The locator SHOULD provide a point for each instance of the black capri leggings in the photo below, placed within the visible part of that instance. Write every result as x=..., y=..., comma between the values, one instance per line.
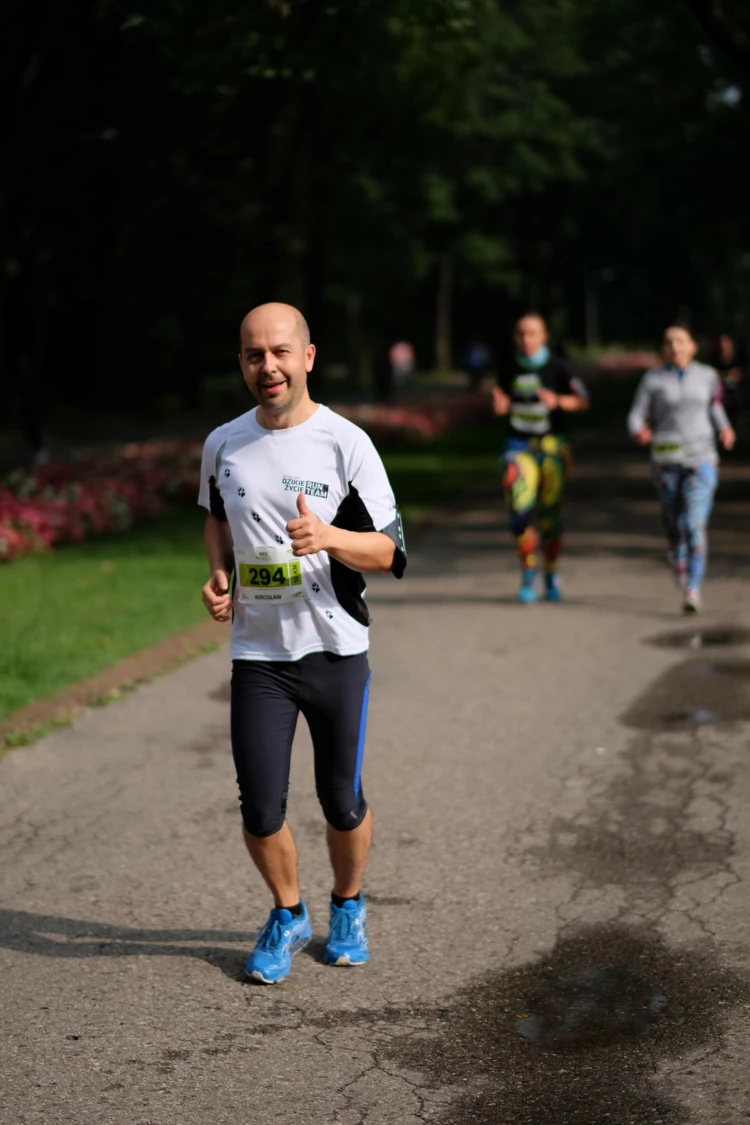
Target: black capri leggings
x=267, y=696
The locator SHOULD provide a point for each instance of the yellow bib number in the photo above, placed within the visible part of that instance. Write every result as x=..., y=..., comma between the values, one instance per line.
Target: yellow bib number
x=268, y=575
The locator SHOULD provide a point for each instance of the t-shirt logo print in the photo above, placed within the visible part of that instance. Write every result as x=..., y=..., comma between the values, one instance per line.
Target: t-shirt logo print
x=309, y=487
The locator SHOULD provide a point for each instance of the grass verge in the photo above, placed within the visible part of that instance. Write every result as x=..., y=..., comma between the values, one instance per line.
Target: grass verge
x=440, y=473
x=69, y=614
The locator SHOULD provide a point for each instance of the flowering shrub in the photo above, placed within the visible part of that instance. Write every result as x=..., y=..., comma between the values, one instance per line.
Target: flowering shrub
x=428, y=418
x=625, y=362
x=112, y=491
x=64, y=502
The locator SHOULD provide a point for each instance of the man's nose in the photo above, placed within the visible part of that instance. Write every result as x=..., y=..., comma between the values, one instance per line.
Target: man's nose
x=269, y=363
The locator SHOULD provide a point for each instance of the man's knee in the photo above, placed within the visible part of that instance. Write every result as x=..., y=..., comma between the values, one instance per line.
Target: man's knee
x=342, y=814
x=262, y=821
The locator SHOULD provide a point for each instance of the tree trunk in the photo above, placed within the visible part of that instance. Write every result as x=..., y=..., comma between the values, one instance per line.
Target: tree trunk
x=443, y=357
x=591, y=299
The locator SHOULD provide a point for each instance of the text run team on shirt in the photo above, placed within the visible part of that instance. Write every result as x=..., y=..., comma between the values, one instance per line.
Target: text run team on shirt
x=300, y=507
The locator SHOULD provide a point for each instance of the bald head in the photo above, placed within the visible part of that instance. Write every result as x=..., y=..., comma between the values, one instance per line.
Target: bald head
x=276, y=357
x=282, y=317
x=530, y=334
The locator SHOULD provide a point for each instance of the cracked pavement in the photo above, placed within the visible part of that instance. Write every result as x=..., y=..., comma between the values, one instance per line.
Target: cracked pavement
x=558, y=890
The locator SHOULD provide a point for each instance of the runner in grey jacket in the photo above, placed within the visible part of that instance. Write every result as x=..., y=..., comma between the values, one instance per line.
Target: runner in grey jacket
x=677, y=409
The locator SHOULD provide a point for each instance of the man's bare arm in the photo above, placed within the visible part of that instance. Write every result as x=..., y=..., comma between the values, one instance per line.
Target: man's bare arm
x=215, y=594
x=367, y=551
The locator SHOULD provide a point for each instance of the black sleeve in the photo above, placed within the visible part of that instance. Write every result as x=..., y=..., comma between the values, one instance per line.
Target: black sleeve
x=564, y=378
x=352, y=515
x=504, y=375
x=216, y=504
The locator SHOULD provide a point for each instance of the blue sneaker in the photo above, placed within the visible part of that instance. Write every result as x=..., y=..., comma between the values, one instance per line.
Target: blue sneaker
x=282, y=935
x=526, y=591
x=552, y=592
x=347, y=936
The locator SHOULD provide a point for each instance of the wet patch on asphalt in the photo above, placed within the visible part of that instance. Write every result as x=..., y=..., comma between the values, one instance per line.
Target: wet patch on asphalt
x=636, y=832
x=577, y=1036
x=596, y=1015
x=574, y=1038
x=709, y=636
x=694, y=693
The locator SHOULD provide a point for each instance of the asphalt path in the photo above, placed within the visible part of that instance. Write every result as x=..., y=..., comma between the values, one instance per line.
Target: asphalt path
x=558, y=890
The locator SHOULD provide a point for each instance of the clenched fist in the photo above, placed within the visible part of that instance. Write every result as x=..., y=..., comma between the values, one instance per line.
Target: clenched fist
x=216, y=596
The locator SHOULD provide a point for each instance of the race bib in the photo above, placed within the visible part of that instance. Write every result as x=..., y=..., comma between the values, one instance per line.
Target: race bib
x=666, y=448
x=268, y=575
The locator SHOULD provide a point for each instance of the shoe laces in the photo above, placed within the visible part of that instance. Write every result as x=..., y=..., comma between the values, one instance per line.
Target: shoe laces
x=272, y=934
x=345, y=923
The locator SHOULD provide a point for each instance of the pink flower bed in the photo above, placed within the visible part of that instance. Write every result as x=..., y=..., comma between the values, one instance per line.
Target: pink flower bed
x=426, y=419
x=625, y=362
x=65, y=502
x=112, y=491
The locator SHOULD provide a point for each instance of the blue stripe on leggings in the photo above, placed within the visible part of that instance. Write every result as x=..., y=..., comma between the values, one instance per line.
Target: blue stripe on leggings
x=361, y=739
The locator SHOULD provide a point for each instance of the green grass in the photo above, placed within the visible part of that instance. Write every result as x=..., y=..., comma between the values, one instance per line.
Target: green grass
x=439, y=473
x=71, y=613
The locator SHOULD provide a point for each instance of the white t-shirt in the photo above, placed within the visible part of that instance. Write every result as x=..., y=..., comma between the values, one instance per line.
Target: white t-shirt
x=252, y=477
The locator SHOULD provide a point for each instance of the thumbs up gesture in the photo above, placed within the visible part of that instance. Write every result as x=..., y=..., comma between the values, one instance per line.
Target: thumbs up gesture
x=308, y=533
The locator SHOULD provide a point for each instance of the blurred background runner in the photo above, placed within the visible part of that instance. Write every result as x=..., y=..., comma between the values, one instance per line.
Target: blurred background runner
x=677, y=410
x=536, y=390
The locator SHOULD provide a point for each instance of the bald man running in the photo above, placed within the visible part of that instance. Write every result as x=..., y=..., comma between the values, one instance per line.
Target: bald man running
x=299, y=507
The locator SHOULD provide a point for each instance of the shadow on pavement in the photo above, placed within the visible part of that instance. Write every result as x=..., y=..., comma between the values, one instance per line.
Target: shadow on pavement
x=622, y=605
x=48, y=935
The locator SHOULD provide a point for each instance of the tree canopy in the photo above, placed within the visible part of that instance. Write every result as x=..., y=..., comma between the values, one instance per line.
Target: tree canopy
x=165, y=168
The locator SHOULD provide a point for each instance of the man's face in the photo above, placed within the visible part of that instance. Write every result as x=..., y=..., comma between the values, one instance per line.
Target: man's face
x=678, y=347
x=726, y=349
x=274, y=359
x=529, y=335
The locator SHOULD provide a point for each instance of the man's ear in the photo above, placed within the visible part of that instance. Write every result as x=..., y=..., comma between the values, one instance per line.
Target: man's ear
x=309, y=357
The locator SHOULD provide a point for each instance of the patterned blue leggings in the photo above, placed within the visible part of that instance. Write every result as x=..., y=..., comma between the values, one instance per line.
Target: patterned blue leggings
x=686, y=497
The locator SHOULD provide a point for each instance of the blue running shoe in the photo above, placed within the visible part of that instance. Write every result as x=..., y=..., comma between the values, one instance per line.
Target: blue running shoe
x=347, y=936
x=552, y=592
x=282, y=935
x=526, y=591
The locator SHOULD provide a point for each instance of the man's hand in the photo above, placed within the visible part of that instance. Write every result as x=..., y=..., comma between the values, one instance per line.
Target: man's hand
x=644, y=435
x=500, y=401
x=216, y=596
x=549, y=398
x=308, y=534
x=727, y=437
